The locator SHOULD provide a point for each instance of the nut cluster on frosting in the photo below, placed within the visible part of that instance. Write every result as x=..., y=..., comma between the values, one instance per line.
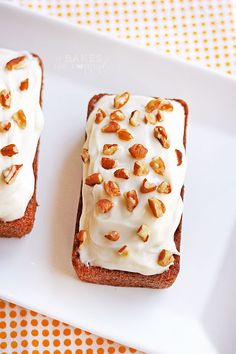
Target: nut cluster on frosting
x=9, y=174
x=141, y=167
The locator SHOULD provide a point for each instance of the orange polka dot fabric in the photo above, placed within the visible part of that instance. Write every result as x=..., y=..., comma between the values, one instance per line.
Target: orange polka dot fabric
x=203, y=31
x=27, y=332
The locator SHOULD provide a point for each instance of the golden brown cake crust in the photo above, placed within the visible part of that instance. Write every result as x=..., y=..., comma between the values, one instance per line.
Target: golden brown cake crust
x=104, y=276
x=21, y=227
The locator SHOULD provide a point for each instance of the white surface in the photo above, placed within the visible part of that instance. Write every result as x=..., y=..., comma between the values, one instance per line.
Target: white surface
x=196, y=315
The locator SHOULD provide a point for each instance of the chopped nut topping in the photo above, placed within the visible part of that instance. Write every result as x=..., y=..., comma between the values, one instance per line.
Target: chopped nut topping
x=157, y=164
x=140, y=168
x=81, y=237
x=159, y=116
x=5, y=125
x=123, y=251
x=164, y=188
x=159, y=103
x=85, y=155
x=111, y=127
x=5, y=98
x=24, y=85
x=150, y=118
x=157, y=207
x=9, y=150
x=165, y=258
x=100, y=115
x=108, y=163
x=131, y=199
x=104, y=205
x=179, y=157
x=135, y=118
x=121, y=173
x=112, y=189
x=143, y=232
x=9, y=174
x=160, y=134
x=20, y=119
x=113, y=236
x=117, y=115
x=95, y=178
x=109, y=149
x=16, y=63
x=147, y=187
x=138, y=151
x=123, y=134
x=121, y=100
x=152, y=105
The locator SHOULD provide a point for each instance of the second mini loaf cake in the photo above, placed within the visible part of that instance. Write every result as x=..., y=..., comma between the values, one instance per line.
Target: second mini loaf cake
x=129, y=219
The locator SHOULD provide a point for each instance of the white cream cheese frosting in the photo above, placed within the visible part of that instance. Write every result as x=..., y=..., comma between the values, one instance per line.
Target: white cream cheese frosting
x=14, y=197
x=142, y=256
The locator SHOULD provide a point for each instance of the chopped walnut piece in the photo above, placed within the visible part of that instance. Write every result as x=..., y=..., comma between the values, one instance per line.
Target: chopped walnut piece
x=85, y=155
x=123, y=251
x=112, y=189
x=157, y=164
x=160, y=134
x=100, y=115
x=24, y=85
x=111, y=127
x=179, y=156
x=104, y=205
x=138, y=151
x=81, y=237
x=109, y=149
x=147, y=187
x=157, y=207
x=16, y=63
x=123, y=134
x=150, y=118
x=117, y=115
x=143, y=232
x=121, y=173
x=95, y=178
x=165, y=258
x=9, y=174
x=121, y=100
x=135, y=118
x=5, y=125
x=113, y=236
x=108, y=163
x=164, y=188
x=131, y=199
x=9, y=150
x=140, y=168
x=20, y=119
x=5, y=98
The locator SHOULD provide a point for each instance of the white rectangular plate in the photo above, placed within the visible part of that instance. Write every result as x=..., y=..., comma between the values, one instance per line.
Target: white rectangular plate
x=196, y=315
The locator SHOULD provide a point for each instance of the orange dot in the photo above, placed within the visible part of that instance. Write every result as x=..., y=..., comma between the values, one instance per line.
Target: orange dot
x=23, y=323
x=56, y=342
x=55, y=323
x=67, y=331
x=122, y=349
x=33, y=313
x=88, y=333
x=24, y=333
x=89, y=341
x=45, y=322
x=13, y=334
x=23, y=312
x=45, y=343
x=78, y=341
x=2, y=314
x=56, y=332
x=35, y=351
x=132, y=350
x=3, y=345
x=12, y=305
x=67, y=351
x=77, y=331
x=35, y=342
x=46, y=352
x=100, y=340
x=34, y=332
x=110, y=341
x=111, y=350
x=2, y=304
x=2, y=324
x=3, y=335
x=78, y=351
x=34, y=322
x=100, y=351
x=57, y=352
x=24, y=344
x=67, y=342
x=45, y=332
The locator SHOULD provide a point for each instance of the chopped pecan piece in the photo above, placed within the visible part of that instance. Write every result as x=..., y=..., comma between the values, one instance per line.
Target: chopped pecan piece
x=138, y=151
x=135, y=118
x=104, y=205
x=179, y=156
x=157, y=164
x=108, y=163
x=121, y=100
x=164, y=188
x=111, y=127
x=123, y=251
x=131, y=199
x=160, y=134
x=123, y=134
x=113, y=236
x=20, y=119
x=81, y=237
x=165, y=258
x=95, y=178
x=85, y=155
x=143, y=232
x=147, y=187
x=121, y=173
x=9, y=150
x=112, y=189
x=117, y=115
x=5, y=99
x=157, y=207
x=24, y=85
x=9, y=174
x=5, y=125
x=100, y=115
x=16, y=63
x=140, y=168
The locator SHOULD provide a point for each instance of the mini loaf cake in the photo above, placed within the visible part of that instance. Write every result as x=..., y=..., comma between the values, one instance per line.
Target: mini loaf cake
x=130, y=213
x=21, y=122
